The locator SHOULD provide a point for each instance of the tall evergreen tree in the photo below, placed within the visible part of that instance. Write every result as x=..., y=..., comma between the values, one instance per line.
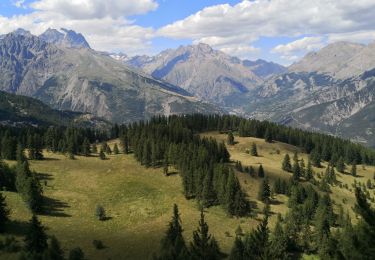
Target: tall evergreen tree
x=254, y=150
x=340, y=166
x=264, y=192
x=279, y=243
x=261, y=172
x=238, y=249
x=54, y=251
x=353, y=171
x=102, y=155
x=257, y=242
x=36, y=238
x=115, y=149
x=309, y=171
x=268, y=136
x=230, y=138
x=204, y=246
x=4, y=212
x=86, y=148
x=287, y=166
x=173, y=245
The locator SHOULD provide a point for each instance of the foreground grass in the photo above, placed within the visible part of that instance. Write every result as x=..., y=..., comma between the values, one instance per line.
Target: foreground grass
x=139, y=201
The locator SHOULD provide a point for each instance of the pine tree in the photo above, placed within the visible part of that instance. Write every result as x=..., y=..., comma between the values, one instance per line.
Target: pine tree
x=309, y=171
x=268, y=136
x=230, y=139
x=340, y=166
x=254, y=150
x=296, y=170
x=237, y=251
x=238, y=231
x=94, y=148
x=286, y=166
x=204, y=246
x=20, y=154
x=125, y=143
x=36, y=238
x=54, y=251
x=86, y=149
x=4, y=212
x=208, y=193
x=264, y=191
x=102, y=155
x=257, y=242
x=100, y=213
x=173, y=244
x=115, y=149
x=353, y=171
x=302, y=167
x=279, y=243
x=261, y=172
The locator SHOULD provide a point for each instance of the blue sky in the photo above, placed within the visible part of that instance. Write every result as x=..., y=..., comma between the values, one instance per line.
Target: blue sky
x=278, y=30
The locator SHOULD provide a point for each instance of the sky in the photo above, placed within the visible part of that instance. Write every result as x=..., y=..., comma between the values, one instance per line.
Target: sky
x=282, y=31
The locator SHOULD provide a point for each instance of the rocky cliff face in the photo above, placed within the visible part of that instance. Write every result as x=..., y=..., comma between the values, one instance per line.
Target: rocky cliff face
x=81, y=79
x=65, y=38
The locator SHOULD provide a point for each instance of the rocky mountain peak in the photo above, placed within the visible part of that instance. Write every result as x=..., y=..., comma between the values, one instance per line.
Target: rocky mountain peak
x=65, y=37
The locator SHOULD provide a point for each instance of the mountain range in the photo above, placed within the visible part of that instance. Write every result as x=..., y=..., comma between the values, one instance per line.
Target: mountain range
x=330, y=90
x=66, y=74
x=209, y=74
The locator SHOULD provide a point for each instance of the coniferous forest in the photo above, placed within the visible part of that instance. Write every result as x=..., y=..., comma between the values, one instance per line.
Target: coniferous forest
x=312, y=224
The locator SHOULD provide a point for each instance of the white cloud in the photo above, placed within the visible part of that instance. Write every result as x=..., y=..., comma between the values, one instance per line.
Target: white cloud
x=105, y=31
x=305, y=44
x=360, y=36
x=247, y=21
x=86, y=9
x=242, y=51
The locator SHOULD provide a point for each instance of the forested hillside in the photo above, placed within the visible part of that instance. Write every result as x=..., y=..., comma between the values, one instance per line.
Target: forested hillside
x=255, y=190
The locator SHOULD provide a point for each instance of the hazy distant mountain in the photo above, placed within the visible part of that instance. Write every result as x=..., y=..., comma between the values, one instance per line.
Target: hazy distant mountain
x=340, y=60
x=263, y=68
x=331, y=90
x=206, y=73
x=66, y=38
x=81, y=79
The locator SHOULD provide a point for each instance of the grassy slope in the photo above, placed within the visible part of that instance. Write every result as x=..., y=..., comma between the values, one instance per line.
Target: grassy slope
x=139, y=201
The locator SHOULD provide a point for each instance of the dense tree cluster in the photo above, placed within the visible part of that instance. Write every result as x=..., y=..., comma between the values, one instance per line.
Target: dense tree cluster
x=202, y=162
x=69, y=140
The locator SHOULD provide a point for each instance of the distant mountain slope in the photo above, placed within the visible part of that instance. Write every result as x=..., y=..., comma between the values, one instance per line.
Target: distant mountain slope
x=83, y=80
x=263, y=68
x=16, y=109
x=206, y=73
x=332, y=91
x=340, y=60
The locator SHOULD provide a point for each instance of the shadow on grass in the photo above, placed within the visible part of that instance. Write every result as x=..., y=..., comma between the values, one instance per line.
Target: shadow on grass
x=50, y=159
x=171, y=173
x=16, y=228
x=276, y=202
x=45, y=177
x=54, y=208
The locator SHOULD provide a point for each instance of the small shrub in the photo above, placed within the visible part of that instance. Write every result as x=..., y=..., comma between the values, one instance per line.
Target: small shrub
x=98, y=244
x=100, y=213
x=227, y=234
